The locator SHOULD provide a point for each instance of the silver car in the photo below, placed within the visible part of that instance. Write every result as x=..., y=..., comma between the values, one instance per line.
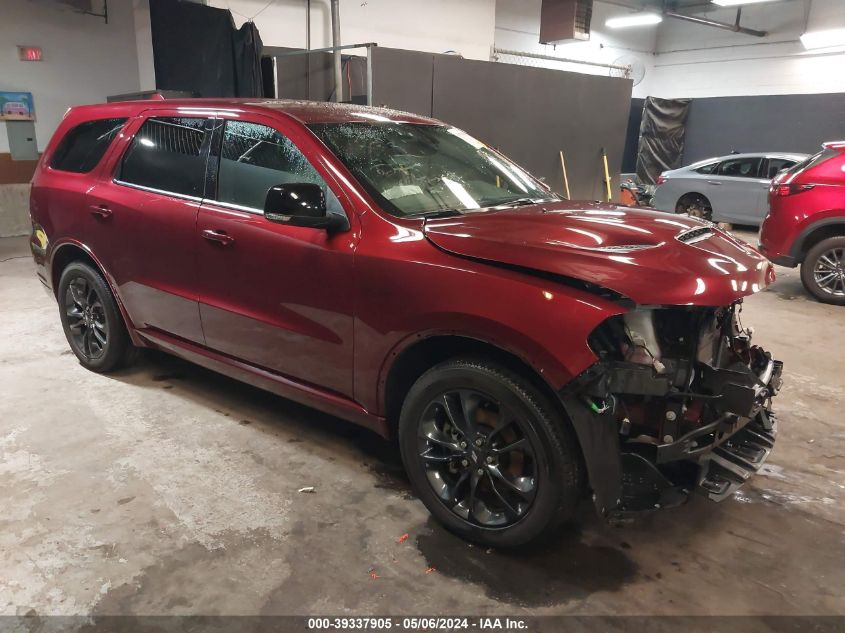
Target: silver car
x=730, y=188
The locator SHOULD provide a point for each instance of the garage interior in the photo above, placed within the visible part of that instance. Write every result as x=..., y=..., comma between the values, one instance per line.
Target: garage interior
x=167, y=489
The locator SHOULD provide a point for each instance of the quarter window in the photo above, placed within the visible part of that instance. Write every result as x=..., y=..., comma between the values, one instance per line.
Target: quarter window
x=83, y=146
x=776, y=165
x=254, y=158
x=168, y=154
x=740, y=167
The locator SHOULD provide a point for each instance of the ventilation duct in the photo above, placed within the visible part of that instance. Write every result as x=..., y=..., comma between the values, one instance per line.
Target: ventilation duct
x=565, y=20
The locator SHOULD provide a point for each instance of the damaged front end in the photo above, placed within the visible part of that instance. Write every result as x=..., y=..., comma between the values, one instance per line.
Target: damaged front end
x=679, y=401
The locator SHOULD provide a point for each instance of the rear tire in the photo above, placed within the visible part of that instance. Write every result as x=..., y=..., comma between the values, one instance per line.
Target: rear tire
x=823, y=271
x=695, y=205
x=91, y=320
x=488, y=454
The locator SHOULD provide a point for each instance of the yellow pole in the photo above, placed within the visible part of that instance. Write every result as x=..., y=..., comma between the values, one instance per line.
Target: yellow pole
x=606, y=175
x=565, y=177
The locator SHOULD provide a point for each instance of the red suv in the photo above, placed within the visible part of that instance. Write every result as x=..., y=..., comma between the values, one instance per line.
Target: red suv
x=806, y=222
x=525, y=351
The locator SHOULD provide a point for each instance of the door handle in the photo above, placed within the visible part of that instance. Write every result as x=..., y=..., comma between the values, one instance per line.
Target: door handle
x=713, y=182
x=100, y=210
x=221, y=237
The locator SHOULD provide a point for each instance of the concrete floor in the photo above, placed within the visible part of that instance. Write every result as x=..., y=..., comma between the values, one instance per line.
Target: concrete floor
x=169, y=489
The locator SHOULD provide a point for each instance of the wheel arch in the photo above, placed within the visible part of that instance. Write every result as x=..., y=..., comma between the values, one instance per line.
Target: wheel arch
x=68, y=252
x=815, y=233
x=415, y=359
x=691, y=194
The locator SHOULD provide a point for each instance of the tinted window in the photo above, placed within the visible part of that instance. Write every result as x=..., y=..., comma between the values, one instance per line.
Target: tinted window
x=776, y=165
x=707, y=169
x=740, y=167
x=83, y=146
x=254, y=158
x=168, y=154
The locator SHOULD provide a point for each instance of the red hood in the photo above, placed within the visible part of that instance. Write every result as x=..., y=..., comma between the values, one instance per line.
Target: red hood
x=708, y=267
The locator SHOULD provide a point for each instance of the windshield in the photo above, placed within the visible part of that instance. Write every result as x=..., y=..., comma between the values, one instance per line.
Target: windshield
x=413, y=169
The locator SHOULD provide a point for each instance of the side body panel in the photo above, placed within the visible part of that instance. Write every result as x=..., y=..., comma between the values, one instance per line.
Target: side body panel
x=277, y=296
x=147, y=243
x=408, y=290
x=737, y=200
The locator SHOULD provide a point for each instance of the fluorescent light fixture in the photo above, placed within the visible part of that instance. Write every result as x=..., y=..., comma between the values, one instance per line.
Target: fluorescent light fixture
x=635, y=19
x=736, y=3
x=823, y=39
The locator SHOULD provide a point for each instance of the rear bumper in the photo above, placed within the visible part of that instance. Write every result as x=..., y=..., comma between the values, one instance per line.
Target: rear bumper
x=781, y=260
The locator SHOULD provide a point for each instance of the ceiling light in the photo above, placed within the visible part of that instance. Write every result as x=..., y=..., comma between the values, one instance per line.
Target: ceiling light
x=736, y=3
x=823, y=39
x=636, y=19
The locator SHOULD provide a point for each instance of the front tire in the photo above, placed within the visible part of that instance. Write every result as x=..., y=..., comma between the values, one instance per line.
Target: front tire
x=91, y=320
x=488, y=454
x=823, y=271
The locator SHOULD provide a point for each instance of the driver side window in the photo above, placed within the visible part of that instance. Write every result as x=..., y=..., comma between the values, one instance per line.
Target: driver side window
x=254, y=158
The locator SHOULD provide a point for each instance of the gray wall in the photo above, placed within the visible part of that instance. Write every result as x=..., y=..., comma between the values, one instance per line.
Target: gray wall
x=530, y=114
x=773, y=123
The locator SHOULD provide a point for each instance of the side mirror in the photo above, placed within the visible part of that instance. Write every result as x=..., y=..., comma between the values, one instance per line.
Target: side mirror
x=301, y=204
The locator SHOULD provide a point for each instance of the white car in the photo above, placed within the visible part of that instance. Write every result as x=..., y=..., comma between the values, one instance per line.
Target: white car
x=730, y=188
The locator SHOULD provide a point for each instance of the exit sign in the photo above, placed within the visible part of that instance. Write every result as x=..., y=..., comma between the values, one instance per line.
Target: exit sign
x=29, y=53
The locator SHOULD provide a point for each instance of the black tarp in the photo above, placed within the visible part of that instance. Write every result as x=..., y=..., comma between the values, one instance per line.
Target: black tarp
x=632, y=137
x=661, y=137
x=197, y=49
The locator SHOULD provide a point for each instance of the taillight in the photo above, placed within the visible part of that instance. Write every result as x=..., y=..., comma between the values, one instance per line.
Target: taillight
x=789, y=190
x=661, y=179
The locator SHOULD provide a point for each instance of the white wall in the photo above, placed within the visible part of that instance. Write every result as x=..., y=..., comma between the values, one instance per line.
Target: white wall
x=434, y=26
x=85, y=60
x=697, y=61
x=518, y=28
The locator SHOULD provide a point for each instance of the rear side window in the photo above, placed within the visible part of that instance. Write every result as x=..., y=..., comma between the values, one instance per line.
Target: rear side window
x=740, y=167
x=708, y=168
x=168, y=154
x=83, y=146
x=776, y=165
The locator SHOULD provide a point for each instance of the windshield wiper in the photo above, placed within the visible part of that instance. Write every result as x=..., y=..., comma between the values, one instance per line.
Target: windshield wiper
x=444, y=213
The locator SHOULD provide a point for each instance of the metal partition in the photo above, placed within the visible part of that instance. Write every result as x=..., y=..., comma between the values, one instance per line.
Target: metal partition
x=309, y=73
x=530, y=114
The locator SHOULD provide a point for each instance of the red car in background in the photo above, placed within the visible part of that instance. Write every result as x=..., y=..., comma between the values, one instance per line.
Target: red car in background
x=526, y=351
x=806, y=222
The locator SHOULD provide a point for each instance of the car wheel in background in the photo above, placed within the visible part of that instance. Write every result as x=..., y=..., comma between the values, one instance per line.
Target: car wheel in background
x=488, y=454
x=91, y=319
x=695, y=205
x=823, y=271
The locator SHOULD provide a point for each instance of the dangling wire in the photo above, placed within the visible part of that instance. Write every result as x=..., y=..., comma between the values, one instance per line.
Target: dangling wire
x=250, y=18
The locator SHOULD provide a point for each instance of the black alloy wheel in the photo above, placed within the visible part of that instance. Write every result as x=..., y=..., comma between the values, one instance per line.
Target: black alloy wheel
x=488, y=453
x=91, y=319
x=478, y=457
x=86, y=318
